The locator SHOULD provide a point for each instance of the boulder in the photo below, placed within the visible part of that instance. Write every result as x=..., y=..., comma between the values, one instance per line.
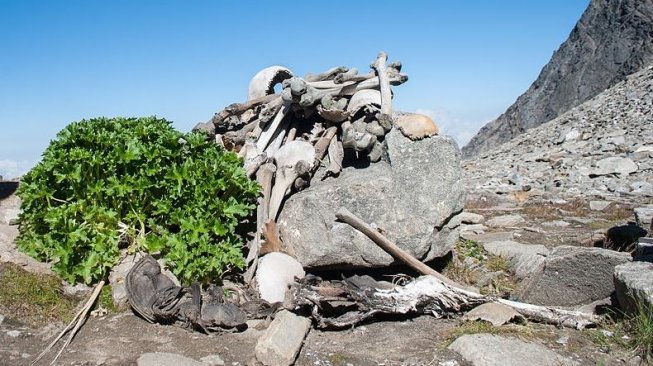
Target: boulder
x=614, y=165
x=493, y=350
x=633, y=284
x=573, y=276
x=283, y=339
x=643, y=216
x=413, y=199
x=524, y=258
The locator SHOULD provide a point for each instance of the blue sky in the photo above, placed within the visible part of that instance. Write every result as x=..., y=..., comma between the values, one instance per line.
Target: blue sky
x=62, y=61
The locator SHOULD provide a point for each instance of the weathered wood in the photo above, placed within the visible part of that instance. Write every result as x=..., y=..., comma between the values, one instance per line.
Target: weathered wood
x=347, y=217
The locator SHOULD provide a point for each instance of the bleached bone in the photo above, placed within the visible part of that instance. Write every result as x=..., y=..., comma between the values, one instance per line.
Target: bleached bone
x=292, y=159
x=369, y=99
x=357, y=141
x=336, y=156
x=270, y=109
x=264, y=81
x=239, y=108
x=264, y=177
x=271, y=128
x=329, y=74
x=278, y=138
x=333, y=110
x=322, y=145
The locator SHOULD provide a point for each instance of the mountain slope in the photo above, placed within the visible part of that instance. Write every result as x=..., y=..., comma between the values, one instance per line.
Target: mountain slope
x=604, y=147
x=612, y=39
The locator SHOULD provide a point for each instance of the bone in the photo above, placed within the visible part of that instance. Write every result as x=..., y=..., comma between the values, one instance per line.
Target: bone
x=336, y=156
x=292, y=159
x=278, y=138
x=322, y=145
x=240, y=108
x=269, y=132
x=270, y=109
x=329, y=74
x=264, y=177
x=384, y=83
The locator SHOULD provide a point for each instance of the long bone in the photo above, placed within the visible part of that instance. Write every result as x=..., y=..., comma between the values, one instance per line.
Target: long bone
x=292, y=160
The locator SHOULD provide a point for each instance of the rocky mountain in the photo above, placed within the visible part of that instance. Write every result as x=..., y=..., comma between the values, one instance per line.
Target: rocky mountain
x=601, y=148
x=612, y=39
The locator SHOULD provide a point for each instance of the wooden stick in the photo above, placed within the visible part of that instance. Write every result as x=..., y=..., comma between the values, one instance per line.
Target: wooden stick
x=347, y=217
x=79, y=318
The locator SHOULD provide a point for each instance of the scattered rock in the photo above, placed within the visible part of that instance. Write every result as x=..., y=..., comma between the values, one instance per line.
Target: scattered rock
x=614, y=165
x=274, y=274
x=2, y=319
x=643, y=216
x=556, y=223
x=471, y=218
x=495, y=313
x=493, y=350
x=14, y=333
x=599, y=205
x=166, y=359
x=385, y=195
x=212, y=360
x=633, y=284
x=573, y=276
x=505, y=220
x=281, y=342
x=524, y=258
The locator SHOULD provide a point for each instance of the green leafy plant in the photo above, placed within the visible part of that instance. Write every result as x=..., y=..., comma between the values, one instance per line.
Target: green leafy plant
x=103, y=184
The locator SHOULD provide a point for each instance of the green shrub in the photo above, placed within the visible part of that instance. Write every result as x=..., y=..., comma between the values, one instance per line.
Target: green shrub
x=103, y=184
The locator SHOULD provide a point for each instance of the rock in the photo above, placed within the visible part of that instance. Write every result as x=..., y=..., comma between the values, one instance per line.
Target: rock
x=642, y=188
x=599, y=205
x=416, y=126
x=572, y=135
x=471, y=218
x=524, y=258
x=613, y=165
x=573, y=276
x=166, y=359
x=212, y=360
x=14, y=333
x=413, y=200
x=556, y=223
x=2, y=319
x=10, y=216
x=616, y=34
x=505, y=220
x=283, y=339
x=495, y=313
x=644, y=216
x=274, y=274
x=633, y=284
x=492, y=350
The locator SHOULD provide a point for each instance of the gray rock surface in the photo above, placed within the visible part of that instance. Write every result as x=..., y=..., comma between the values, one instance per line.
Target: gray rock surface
x=281, y=342
x=644, y=216
x=612, y=39
x=471, y=218
x=573, y=276
x=505, y=220
x=523, y=258
x=166, y=359
x=633, y=284
x=493, y=350
x=602, y=165
x=413, y=199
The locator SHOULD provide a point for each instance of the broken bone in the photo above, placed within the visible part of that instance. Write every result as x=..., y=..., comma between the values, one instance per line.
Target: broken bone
x=263, y=82
x=293, y=159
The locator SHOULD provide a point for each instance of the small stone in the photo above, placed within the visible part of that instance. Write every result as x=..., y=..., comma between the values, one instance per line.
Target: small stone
x=166, y=359
x=283, y=339
x=563, y=340
x=495, y=313
x=2, y=319
x=14, y=333
x=599, y=205
x=212, y=360
x=448, y=363
x=471, y=218
x=572, y=135
x=505, y=220
x=556, y=223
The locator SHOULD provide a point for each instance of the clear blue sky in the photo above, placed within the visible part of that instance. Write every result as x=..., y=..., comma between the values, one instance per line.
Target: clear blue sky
x=62, y=61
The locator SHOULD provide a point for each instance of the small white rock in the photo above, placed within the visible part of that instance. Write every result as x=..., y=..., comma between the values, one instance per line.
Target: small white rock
x=13, y=333
x=275, y=272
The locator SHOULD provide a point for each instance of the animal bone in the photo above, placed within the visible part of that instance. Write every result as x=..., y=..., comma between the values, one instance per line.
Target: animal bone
x=322, y=145
x=375, y=152
x=358, y=141
x=264, y=81
x=329, y=74
x=269, y=132
x=364, y=100
x=336, y=156
x=292, y=159
x=276, y=142
x=264, y=178
x=240, y=108
x=270, y=109
x=384, y=83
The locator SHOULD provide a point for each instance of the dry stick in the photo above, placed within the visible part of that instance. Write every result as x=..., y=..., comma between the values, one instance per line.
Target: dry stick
x=79, y=318
x=344, y=215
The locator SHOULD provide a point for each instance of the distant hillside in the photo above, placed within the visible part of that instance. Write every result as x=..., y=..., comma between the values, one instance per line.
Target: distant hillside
x=604, y=147
x=612, y=39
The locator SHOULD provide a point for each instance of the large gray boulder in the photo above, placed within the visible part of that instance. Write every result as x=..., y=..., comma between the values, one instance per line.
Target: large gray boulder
x=633, y=284
x=413, y=199
x=573, y=276
x=493, y=350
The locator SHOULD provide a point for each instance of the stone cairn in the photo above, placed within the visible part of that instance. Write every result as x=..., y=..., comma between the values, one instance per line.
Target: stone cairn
x=316, y=121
